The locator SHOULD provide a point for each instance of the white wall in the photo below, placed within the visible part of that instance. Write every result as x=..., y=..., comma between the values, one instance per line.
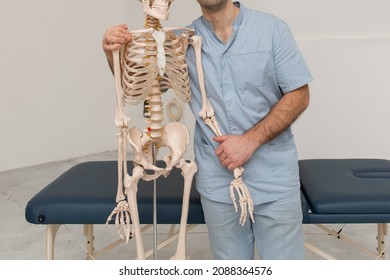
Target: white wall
x=57, y=95
x=347, y=46
x=55, y=87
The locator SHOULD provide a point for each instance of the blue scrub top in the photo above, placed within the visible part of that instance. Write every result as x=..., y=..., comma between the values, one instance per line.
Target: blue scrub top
x=244, y=79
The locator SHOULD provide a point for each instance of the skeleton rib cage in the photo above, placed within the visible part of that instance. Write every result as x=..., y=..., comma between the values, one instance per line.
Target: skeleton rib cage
x=140, y=66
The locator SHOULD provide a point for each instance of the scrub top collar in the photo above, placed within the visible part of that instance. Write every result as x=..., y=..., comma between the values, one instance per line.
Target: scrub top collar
x=236, y=22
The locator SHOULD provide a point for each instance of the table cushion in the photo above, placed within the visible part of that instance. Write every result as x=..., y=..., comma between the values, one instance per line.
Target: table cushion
x=85, y=194
x=346, y=186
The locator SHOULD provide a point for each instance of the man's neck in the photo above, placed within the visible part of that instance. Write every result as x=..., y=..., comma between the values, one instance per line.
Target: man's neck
x=222, y=19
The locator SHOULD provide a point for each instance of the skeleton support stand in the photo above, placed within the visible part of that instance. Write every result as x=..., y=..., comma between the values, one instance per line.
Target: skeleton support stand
x=154, y=206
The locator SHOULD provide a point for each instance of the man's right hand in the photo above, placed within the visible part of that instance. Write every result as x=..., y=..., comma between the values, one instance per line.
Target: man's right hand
x=115, y=37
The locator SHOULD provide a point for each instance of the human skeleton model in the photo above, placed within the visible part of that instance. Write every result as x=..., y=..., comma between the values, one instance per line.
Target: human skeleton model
x=153, y=62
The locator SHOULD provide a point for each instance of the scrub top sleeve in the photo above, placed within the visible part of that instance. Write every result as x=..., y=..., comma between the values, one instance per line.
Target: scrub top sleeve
x=291, y=69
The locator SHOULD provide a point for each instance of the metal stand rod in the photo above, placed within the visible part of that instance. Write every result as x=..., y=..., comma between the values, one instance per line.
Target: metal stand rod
x=154, y=206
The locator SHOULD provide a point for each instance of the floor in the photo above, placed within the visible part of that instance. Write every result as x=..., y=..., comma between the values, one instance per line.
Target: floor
x=20, y=240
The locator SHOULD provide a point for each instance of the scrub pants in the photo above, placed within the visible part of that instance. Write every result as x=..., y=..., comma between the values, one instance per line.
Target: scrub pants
x=277, y=232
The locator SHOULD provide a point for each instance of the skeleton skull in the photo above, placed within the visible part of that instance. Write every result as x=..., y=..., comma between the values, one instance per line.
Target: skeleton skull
x=157, y=8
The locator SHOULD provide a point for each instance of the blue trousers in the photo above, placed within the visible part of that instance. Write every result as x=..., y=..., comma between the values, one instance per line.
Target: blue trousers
x=277, y=233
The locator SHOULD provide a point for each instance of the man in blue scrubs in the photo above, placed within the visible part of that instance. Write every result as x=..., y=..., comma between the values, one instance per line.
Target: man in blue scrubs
x=257, y=82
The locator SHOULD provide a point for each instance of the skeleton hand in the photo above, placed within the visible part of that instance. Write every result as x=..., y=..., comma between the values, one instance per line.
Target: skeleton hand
x=122, y=220
x=245, y=199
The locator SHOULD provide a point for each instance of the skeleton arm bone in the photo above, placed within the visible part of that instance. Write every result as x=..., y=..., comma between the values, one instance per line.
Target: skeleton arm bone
x=121, y=120
x=208, y=116
x=207, y=111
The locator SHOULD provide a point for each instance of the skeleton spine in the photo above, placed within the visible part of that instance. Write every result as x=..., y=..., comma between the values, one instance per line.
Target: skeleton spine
x=155, y=109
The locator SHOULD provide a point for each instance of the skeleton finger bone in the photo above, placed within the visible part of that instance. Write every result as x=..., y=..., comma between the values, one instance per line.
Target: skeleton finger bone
x=245, y=200
x=122, y=220
x=235, y=188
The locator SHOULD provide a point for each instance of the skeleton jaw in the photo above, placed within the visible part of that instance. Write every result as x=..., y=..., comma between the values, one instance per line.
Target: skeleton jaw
x=157, y=8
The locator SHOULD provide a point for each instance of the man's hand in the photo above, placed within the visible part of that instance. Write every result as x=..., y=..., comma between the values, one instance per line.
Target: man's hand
x=115, y=37
x=234, y=150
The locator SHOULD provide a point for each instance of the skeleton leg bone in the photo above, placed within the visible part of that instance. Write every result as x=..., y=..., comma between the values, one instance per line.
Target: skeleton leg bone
x=188, y=171
x=131, y=185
